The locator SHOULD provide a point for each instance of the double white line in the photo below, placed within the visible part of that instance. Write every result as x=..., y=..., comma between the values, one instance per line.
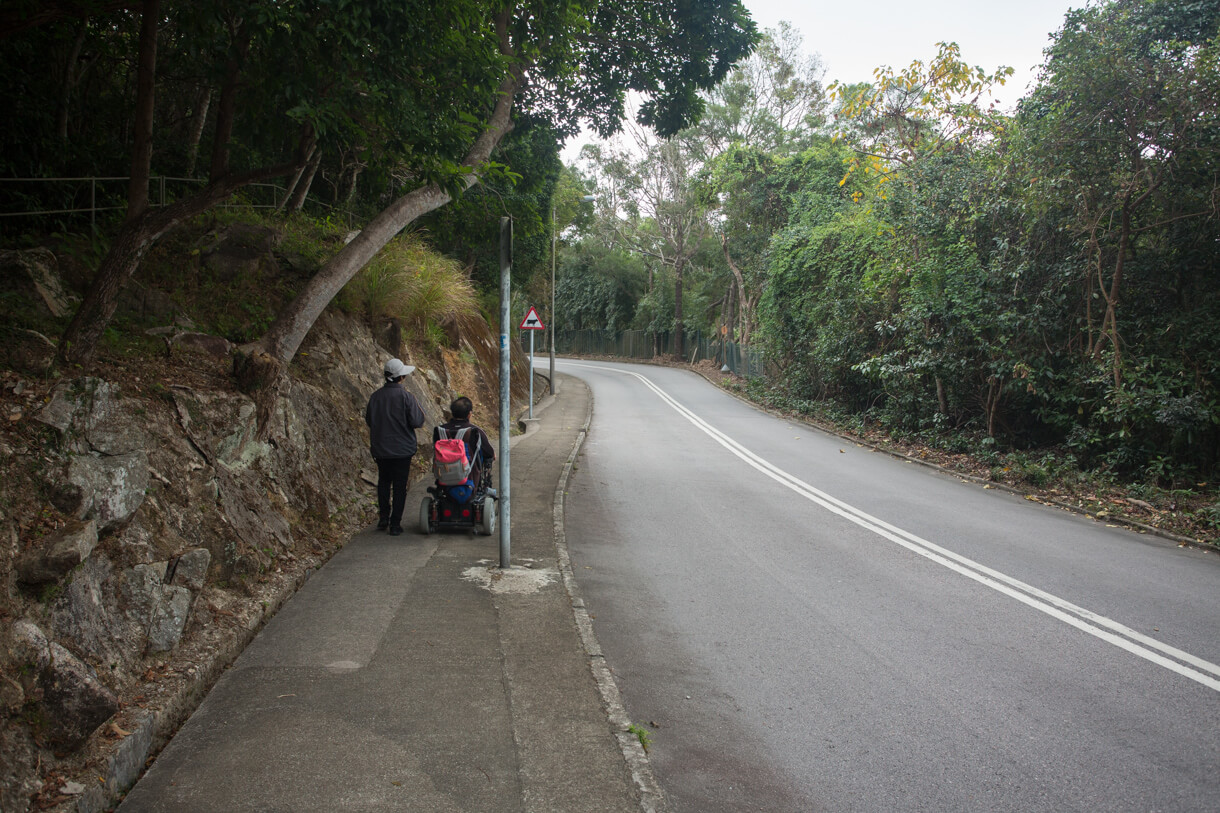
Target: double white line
x=1150, y=649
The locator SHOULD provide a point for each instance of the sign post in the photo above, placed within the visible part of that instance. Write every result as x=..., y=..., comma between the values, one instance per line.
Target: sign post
x=532, y=323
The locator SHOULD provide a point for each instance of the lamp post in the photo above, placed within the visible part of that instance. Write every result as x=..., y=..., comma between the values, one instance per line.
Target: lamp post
x=554, y=238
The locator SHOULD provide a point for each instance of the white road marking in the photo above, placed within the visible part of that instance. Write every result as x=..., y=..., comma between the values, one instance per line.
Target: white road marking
x=1099, y=626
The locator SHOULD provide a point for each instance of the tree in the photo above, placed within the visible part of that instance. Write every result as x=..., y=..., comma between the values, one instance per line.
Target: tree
x=287, y=74
x=650, y=198
x=565, y=62
x=1128, y=102
x=773, y=102
x=771, y=106
x=918, y=112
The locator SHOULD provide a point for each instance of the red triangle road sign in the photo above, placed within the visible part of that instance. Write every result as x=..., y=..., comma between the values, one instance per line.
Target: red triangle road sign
x=531, y=321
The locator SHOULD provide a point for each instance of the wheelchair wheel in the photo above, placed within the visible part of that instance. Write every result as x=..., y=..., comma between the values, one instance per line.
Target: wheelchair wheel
x=488, y=525
x=425, y=516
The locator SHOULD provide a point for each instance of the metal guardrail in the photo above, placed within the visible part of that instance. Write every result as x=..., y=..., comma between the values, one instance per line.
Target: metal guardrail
x=644, y=344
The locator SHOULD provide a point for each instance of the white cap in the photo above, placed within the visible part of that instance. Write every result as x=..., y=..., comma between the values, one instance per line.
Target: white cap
x=396, y=369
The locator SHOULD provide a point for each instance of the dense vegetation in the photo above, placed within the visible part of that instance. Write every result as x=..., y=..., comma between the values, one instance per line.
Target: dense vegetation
x=418, y=95
x=1041, y=281
x=1047, y=279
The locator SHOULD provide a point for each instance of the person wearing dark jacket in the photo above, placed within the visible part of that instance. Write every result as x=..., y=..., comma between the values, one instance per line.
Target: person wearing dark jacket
x=460, y=409
x=393, y=415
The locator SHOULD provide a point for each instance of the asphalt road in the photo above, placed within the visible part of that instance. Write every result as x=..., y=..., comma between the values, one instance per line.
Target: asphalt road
x=808, y=625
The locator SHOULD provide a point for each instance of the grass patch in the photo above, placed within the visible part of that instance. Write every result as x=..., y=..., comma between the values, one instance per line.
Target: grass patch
x=408, y=281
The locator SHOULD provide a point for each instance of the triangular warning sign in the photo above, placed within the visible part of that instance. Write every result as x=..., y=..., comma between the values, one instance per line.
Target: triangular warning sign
x=531, y=321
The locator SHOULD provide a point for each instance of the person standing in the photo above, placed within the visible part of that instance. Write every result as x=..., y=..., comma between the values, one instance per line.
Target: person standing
x=392, y=416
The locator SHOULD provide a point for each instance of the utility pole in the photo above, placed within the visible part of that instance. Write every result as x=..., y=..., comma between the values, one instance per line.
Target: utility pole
x=506, y=271
x=552, y=327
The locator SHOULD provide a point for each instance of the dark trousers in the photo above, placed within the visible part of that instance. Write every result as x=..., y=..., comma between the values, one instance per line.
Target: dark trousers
x=392, y=473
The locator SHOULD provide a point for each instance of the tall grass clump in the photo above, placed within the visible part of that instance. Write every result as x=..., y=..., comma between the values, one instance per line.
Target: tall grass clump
x=422, y=289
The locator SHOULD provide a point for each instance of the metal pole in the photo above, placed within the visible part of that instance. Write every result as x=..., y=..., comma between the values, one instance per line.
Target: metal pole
x=532, y=332
x=552, y=327
x=506, y=271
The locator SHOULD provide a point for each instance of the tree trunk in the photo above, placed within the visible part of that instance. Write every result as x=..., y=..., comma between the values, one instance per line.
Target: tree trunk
x=746, y=308
x=995, y=389
x=135, y=237
x=198, y=120
x=304, y=182
x=69, y=83
x=226, y=107
x=348, y=177
x=679, y=344
x=146, y=74
x=291, y=188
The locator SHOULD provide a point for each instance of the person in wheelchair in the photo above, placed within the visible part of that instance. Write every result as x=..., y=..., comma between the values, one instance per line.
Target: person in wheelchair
x=479, y=450
x=462, y=497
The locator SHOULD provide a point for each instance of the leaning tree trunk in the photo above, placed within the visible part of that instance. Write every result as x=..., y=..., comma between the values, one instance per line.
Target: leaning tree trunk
x=259, y=365
x=198, y=119
x=135, y=235
x=291, y=190
x=134, y=239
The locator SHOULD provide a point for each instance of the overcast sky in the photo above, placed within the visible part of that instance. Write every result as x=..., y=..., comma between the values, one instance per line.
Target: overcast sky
x=853, y=38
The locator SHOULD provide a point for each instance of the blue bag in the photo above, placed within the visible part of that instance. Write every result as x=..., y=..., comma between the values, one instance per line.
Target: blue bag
x=461, y=493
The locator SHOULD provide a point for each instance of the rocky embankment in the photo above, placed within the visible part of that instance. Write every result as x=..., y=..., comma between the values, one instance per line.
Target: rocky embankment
x=148, y=529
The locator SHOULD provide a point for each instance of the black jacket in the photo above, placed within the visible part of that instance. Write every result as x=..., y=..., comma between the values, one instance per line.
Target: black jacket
x=393, y=415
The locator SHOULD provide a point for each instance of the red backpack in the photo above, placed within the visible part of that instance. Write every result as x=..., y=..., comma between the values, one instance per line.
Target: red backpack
x=449, y=461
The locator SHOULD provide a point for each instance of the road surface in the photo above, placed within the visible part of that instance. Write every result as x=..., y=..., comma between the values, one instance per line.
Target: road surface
x=803, y=624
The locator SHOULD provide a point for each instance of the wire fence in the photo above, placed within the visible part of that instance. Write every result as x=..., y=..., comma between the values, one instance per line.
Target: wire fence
x=47, y=197
x=644, y=344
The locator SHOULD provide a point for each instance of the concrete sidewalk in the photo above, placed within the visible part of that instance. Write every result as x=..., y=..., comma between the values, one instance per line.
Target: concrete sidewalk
x=411, y=673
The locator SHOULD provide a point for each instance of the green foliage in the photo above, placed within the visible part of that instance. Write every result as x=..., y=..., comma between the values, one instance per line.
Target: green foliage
x=641, y=734
x=1046, y=281
x=599, y=288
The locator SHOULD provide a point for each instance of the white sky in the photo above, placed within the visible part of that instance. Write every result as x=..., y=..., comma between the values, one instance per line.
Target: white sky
x=853, y=38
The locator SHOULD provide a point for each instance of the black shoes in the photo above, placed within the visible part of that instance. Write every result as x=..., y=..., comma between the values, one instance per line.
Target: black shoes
x=396, y=530
x=381, y=526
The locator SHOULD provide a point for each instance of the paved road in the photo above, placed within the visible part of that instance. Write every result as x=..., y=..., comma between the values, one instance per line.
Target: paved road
x=813, y=626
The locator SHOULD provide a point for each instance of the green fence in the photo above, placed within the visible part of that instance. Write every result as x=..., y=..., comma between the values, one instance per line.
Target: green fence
x=643, y=344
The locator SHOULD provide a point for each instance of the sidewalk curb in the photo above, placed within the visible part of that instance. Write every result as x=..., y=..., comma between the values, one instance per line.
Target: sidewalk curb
x=652, y=798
